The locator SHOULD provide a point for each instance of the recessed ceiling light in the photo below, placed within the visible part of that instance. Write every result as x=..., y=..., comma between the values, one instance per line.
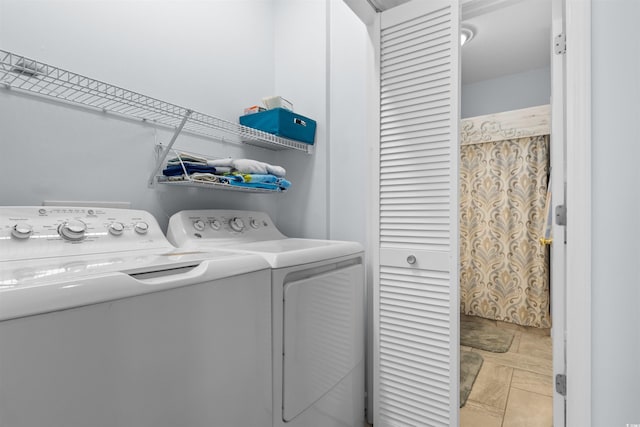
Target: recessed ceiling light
x=466, y=34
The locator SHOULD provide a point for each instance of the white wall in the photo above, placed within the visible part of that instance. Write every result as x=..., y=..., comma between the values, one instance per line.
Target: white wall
x=350, y=68
x=300, y=36
x=615, y=244
x=348, y=108
x=511, y=92
x=216, y=57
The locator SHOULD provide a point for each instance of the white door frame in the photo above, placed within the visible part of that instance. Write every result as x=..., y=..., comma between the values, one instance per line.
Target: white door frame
x=558, y=277
x=578, y=197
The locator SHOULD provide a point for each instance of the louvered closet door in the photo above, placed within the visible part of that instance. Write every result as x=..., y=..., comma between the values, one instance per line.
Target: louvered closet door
x=416, y=288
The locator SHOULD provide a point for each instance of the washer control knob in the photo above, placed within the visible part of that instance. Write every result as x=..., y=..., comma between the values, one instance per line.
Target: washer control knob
x=236, y=224
x=199, y=225
x=141, y=227
x=254, y=223
x=72, y=230
x=215, y=224
x=21, y=231
x=115, y=228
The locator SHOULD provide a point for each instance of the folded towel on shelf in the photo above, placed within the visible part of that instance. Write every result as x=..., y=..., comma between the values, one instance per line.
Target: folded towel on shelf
x=172, y=170
x=283, y=183
x=278, y=171
x=221, y=170
x=238, y=172
x=267, y=179
x=248, y=166
x=256, y=179
x=194, y=164
x=221, y=162
x=273, y=187
x=186, y=157
x=208, y=177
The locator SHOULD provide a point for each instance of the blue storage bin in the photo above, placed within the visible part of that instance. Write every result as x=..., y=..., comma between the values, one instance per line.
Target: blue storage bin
x=282, y=122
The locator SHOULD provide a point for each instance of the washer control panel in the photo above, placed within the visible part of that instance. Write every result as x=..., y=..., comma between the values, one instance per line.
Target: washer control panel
x=40, y=232
x=221, y=226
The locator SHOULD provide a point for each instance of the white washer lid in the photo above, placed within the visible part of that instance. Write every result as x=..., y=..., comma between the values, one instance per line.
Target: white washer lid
x=32, y=287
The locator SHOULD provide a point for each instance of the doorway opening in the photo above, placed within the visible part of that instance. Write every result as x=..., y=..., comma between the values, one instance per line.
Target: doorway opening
x=505, y=280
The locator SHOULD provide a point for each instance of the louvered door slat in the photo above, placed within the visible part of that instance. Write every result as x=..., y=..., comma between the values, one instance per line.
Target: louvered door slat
x=418, y=68
x=416, y=295
x=414, y=104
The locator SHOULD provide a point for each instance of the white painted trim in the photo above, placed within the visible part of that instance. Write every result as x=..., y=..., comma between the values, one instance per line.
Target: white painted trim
x=373, y=215
x=374, y=218
x=558, y=283
x=454, y=215
x=578, y=131
x=513, y=124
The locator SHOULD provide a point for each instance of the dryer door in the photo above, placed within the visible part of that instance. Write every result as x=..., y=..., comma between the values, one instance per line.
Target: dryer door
x=323, y=335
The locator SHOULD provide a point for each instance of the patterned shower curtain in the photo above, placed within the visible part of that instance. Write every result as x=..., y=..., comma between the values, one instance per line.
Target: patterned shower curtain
x=504, y=272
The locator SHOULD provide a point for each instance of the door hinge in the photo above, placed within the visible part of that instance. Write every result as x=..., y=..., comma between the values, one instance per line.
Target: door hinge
x=561, y=215
x=560, y=44
x=561, y=384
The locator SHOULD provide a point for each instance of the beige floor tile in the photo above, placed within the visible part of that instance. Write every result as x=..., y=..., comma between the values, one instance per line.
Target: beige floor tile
x=466, y=348
x=525, y=329
x=513, y=389
x=481, y=407
x=471, y=416
x=519, y=361
x=492, y=385
x=526, y=409
x=515, y=344
x=535, y=345
x=529, y=381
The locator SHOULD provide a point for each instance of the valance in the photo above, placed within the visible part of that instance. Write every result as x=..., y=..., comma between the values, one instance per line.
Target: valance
x=513, y=124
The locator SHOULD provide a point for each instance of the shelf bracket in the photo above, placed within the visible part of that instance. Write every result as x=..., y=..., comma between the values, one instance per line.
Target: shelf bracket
x=163, y=155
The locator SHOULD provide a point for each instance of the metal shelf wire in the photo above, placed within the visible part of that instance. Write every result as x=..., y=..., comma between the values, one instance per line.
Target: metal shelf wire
x=215, y=186
x=29, y=75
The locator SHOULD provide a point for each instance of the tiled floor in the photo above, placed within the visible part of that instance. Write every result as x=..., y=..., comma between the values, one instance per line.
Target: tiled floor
x=513, y=389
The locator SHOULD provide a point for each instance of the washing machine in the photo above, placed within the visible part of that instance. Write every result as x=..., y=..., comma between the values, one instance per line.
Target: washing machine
x=317, y=313
x=104, y=324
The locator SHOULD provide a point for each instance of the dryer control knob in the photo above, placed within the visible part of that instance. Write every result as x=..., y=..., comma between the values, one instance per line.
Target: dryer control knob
x=254, y=223
x=215, y=224
x=198, y=225
x=236, y=224
x=72, y=230
x=141, y=227
x=116, y=228
x=21, y=231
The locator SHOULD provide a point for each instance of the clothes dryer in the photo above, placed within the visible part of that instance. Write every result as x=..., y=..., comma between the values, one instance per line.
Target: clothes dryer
x=317, y=313
x=104, y=324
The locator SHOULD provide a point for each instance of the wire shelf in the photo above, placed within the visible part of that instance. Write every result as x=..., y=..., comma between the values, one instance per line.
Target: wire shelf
x=29, y=75
x=215, y=186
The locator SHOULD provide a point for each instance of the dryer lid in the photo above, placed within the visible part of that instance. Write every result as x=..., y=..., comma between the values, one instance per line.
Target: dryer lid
x=292, y=252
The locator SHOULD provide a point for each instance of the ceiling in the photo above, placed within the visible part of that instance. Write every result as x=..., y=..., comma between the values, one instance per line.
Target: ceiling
x=511, y=36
